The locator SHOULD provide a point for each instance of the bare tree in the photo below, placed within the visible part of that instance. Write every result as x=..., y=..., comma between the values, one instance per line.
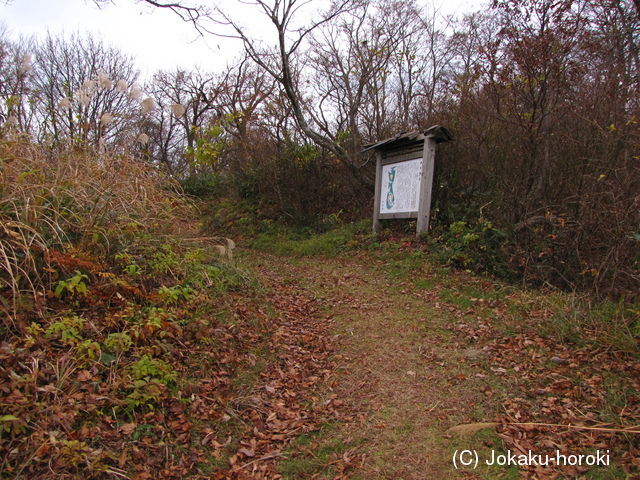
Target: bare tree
x=283, y=61
x=188, y=106
x=351, y=63
x=376, y=67
x=85, y=90
x=16, y=82
x=193, y=14
x=246, y=100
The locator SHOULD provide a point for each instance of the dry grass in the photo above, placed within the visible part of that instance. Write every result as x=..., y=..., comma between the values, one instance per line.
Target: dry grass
x=80, y=200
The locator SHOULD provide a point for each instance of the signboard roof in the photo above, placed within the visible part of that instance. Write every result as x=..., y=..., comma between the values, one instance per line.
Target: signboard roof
x=438, y=133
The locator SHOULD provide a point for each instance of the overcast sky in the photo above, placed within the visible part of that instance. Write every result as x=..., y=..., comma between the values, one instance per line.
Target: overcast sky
x=157, y=38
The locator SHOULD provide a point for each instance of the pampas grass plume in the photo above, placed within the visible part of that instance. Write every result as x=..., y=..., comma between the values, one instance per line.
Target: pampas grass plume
x=25, y=64
x=106, y=119
x=135, y=93
x=83, y=97
x=177, y=110
x=104, y=81
x=89, y=86
x=226, y=251
x=148, y=105
x=122, y=86
x=64, y=104
x=230, y=246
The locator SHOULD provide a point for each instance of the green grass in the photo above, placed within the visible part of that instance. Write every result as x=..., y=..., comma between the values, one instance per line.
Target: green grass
x=425, y=284
x=579, y=320
x=606, y=473
x=297, y=243
x=315, y=454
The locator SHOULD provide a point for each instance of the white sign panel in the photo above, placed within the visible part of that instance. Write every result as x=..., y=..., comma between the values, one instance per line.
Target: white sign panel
x=401, y=186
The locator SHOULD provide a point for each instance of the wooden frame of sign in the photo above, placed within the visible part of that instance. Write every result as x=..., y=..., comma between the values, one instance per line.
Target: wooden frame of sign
x=404, y=176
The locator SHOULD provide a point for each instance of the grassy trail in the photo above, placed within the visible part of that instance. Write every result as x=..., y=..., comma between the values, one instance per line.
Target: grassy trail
x=407, y=369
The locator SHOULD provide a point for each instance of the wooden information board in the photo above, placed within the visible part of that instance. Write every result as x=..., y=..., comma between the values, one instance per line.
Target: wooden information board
x=404, y=176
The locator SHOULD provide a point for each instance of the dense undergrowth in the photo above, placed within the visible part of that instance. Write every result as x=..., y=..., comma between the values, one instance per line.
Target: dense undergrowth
x=132, y=346
x=128, y=342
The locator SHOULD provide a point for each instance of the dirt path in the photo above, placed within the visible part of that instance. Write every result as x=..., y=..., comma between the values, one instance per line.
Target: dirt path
x=408, y=366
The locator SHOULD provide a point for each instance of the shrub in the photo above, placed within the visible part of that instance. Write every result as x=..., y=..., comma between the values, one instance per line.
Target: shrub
x=201, y=185
x=473, y=246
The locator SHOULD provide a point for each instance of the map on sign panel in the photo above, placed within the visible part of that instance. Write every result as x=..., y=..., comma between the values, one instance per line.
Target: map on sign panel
x=401, y=186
